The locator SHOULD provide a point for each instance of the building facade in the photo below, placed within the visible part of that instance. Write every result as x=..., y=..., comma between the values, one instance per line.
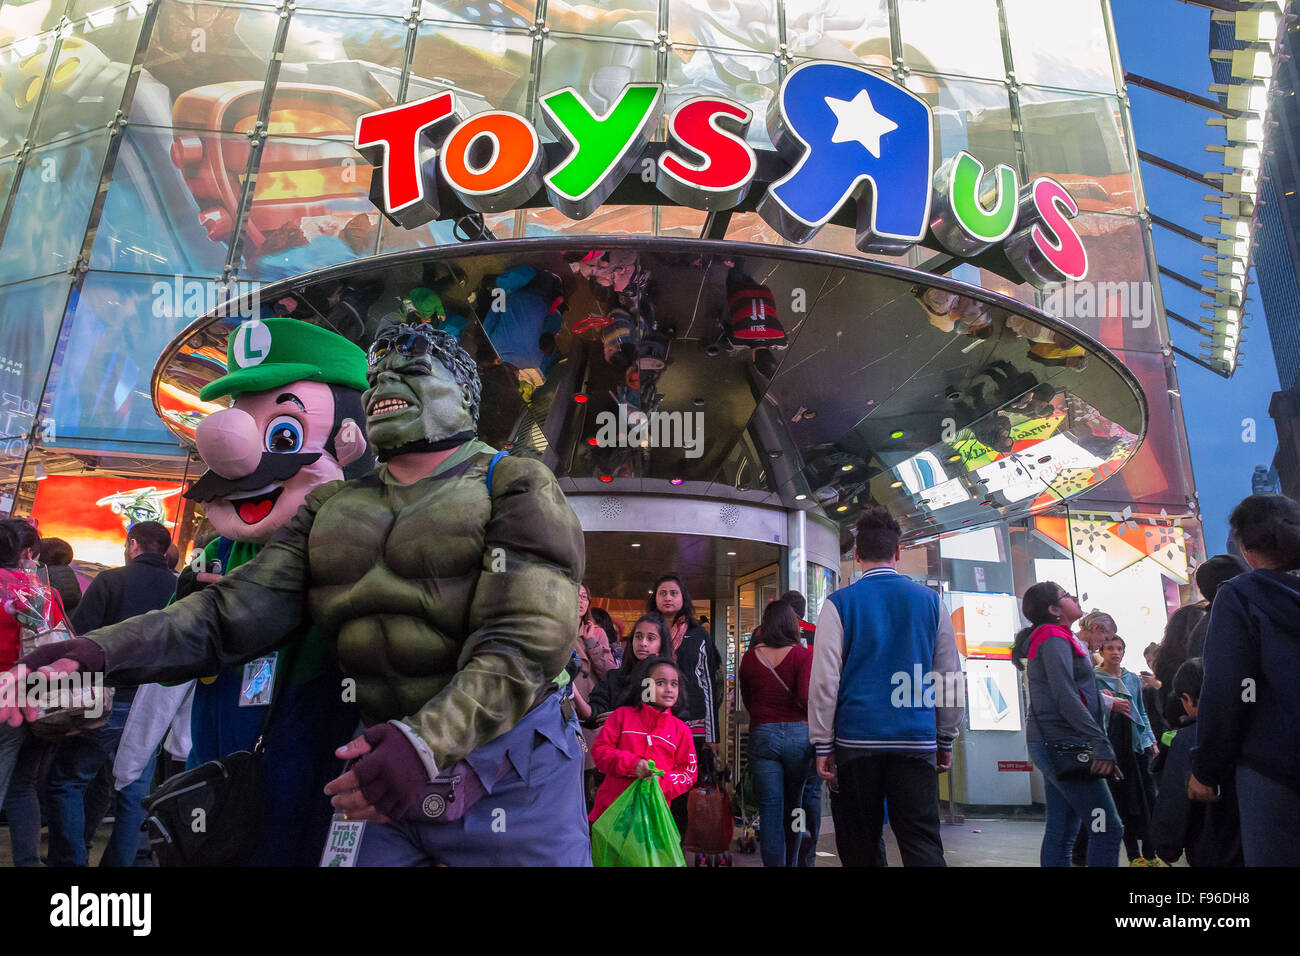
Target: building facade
x=158, y=157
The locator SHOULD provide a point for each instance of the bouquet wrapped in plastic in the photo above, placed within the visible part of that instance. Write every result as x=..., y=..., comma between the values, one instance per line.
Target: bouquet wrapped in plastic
x=28, y=598
x=79, y=701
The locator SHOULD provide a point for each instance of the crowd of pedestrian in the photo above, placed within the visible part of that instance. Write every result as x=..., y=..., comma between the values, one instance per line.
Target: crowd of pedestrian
x=58, y=777
x=1199, y=756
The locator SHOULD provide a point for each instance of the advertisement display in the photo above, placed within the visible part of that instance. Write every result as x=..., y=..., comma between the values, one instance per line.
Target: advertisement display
x=98, y=533
x=992, y=695
x=984, y=624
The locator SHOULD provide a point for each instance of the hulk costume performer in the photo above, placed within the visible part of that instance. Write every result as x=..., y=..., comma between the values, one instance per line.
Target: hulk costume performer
x=452, y=596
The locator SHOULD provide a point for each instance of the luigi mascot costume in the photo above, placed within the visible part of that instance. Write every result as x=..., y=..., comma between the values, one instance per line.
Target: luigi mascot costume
x=294, y=424
x=447, y=579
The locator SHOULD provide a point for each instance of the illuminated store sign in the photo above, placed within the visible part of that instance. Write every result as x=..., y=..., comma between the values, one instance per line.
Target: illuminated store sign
x=845, y=136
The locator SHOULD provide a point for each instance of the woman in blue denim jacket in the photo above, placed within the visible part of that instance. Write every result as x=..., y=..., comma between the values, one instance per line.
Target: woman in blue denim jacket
x=1129, y=729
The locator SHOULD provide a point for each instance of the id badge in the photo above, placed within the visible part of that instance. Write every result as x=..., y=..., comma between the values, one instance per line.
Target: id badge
x=344, y=841
x=258, y=682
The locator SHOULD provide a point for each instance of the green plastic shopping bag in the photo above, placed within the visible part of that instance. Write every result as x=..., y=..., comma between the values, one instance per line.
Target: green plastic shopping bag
x=637, y=829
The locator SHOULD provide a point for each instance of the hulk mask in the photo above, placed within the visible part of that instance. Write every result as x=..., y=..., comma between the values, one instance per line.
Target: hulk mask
x=424, y=392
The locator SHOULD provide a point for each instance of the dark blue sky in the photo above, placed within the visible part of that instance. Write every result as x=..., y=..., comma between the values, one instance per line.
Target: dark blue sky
x=1169, y=41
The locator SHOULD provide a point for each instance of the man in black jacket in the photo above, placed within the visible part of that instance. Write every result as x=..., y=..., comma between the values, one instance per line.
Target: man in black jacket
x=145, y=583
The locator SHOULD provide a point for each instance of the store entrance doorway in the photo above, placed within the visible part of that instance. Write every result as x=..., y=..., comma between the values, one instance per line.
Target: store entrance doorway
x=730, y=580
x=753, y=593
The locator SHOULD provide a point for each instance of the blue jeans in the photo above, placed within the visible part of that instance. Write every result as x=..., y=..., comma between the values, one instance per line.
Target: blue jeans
x=1070, y=803
x=785, y=777
x=76, y=762
x=11, y=742
x=23, y=803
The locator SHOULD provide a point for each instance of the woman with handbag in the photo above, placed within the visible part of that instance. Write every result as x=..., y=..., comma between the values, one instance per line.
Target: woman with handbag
x=1066, y=740
x=774, y=686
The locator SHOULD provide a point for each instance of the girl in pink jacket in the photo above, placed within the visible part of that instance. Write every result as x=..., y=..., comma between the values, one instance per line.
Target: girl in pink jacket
x=645, y=729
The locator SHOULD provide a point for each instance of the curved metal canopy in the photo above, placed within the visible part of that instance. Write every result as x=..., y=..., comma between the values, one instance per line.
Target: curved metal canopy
x=952, y=406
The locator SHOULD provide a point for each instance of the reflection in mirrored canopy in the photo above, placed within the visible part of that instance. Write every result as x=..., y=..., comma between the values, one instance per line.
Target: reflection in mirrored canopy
x=737, y=371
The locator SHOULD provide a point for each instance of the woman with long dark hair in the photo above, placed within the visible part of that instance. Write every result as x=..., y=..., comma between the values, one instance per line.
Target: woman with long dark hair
x=1246, y=721
x=698, y=659
x=700, y=666
x=649, y=638
x=613, y=636
x=593, y=640
x=11, y=738
x=1066, y=740
x=774, y=687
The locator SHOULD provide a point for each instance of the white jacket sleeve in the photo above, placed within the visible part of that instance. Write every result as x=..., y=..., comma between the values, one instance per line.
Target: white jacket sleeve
x=152, y=713
x=947, y=664
x=824, y=681
x=178, y=741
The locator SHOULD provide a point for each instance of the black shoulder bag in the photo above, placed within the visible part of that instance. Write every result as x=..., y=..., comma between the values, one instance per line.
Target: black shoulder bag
x=213, y=815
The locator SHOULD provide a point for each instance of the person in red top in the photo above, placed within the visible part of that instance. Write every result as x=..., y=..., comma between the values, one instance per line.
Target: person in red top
x=20, y=754
x=642, y=730
x=774, y=687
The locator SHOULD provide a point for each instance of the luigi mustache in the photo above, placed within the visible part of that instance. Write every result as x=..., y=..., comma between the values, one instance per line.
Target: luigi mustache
x=271, y=467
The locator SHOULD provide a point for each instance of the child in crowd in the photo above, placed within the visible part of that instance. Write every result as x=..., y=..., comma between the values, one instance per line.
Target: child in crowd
x=648, y=638
x=645, y=729
x=1209, y=833
x=1130, y=735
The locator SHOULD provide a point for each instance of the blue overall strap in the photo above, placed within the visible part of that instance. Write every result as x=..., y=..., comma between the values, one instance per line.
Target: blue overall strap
x=492, y=465
x=224, y=547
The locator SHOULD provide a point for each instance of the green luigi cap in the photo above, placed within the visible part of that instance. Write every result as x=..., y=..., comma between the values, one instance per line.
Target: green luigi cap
x=266, y=353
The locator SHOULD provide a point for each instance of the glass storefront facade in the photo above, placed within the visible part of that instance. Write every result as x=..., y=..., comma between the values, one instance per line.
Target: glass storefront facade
x=150, y=151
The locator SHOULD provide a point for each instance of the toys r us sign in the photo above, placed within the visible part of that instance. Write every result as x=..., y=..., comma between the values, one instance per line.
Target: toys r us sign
x=846, y=139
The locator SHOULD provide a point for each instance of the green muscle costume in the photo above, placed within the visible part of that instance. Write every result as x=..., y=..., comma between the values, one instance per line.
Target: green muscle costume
x=452, y=608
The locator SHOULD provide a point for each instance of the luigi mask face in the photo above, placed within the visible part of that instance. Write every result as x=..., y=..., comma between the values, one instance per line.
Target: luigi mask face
x=294, y=424
x=415, y=402
x=268, y=452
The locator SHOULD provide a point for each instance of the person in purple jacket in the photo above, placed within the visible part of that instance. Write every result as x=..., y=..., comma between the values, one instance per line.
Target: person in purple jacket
x=1246, y=726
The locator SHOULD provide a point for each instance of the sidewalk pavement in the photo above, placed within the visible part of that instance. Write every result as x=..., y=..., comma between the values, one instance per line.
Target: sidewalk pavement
x=973, y=843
